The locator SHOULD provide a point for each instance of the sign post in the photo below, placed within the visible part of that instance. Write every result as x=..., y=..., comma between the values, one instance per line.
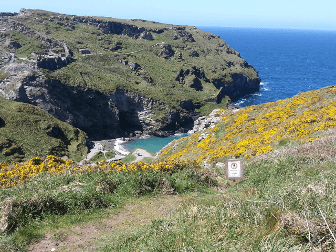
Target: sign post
x=234, y=169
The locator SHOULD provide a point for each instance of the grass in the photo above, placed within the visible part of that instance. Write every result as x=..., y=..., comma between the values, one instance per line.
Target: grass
x=147, y=159
x=47, y=196
x=3, y=75
x=276, y=207
x=155, y=79
x=259, y=129
x=284, y=203
x=269, y=210
x=28, y=131
x=99, y=156
x=129, y=158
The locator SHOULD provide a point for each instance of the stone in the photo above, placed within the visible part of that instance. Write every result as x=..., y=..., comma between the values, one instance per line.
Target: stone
x=134, y=66
x=146, y=35
x=179, y=55
x=194, y=54
x=202, y=137
x=12, y=44
x=84, y=51
x=117, y=46
x=196, y=84
x=167, y=51
x=220, y=165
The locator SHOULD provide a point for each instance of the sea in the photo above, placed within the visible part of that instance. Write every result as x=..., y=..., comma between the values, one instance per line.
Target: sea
x=288, y=61
x=153, y=143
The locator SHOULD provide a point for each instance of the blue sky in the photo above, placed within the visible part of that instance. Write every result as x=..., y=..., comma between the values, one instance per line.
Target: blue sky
x=293, y=14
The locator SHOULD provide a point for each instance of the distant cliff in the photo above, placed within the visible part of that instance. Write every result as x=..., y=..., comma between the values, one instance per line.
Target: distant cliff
x=113, y=77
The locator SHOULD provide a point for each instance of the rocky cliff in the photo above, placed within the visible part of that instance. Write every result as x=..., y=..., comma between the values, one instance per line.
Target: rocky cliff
x=112, y=77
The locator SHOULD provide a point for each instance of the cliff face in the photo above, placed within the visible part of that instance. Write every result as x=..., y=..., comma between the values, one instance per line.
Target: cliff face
x=100, y=115
x=111, y=77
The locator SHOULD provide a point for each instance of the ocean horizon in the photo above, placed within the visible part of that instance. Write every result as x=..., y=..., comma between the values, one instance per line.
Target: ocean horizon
x=289, y=61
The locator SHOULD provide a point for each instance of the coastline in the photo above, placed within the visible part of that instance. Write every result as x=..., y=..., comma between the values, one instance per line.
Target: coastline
x=119, y=148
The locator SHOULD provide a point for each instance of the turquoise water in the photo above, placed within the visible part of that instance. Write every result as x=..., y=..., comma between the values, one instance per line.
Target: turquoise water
x=288, y=61
x=153, y=144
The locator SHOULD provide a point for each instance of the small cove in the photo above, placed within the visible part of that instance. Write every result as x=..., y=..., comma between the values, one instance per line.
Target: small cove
x=153, y=143
x=288, y=61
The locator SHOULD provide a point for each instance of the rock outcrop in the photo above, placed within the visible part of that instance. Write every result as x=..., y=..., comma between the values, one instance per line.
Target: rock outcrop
x=100, y=115
x=87, y=84
x=206, y=122
x=239, y=86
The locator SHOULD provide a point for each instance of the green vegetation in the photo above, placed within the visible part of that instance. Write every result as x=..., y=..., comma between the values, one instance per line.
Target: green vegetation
x=129, y=158
x=173, y=49
x=27, y=131
x=147, y=159
x=285, y=201
x=99, y=156
x=209, y=107
x=3, y=75
x=277, y=207
x=258, y=129
x=50, y=195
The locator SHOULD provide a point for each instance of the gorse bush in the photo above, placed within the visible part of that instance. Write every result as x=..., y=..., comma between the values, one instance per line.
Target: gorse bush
x=56, y=186
x=17, y=173
x=255, y=130
x=277, y=207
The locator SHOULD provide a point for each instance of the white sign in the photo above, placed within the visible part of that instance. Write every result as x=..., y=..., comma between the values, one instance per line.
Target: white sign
x=234, y=169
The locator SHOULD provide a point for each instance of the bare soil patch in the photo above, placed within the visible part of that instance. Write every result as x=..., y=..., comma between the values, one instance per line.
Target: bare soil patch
x=84, y=237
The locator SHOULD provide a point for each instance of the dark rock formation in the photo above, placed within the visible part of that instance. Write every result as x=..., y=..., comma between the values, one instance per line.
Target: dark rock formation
x=146, y=35
x=2, y=123
x=100, y=115
x=185, y=36
x=84, y=51
x=241, y=87
x=53, y=62
x=109, y=27
x=196, y=84
x=134, y=66
x=190, y=105
x=117, y=46
x=167, y=51
x=10, y=44
x=197, y=72
x=8, y=14
x=56, y=132
x=194, y=54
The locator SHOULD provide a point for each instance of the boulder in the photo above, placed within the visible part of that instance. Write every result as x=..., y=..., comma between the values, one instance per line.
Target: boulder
x=134, y=66
x=146, y=35
x=11, y=44
x=196, y=84
x=167, y=51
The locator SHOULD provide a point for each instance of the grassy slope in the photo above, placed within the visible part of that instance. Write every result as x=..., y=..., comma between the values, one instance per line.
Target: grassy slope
x=259, y=129
x=284, y=203
x=275, y=208
x=23, y=134
x=105, y=73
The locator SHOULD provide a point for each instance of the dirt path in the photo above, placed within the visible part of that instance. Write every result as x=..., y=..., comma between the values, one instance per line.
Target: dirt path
x=86, y=236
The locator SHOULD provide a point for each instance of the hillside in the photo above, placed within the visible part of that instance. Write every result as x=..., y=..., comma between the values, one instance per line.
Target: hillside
x=112, y=77
x=182, y=201
x=259, y=129
x=27, y=131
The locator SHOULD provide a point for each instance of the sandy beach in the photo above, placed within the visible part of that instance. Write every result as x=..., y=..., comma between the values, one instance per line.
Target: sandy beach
x=119, y=148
